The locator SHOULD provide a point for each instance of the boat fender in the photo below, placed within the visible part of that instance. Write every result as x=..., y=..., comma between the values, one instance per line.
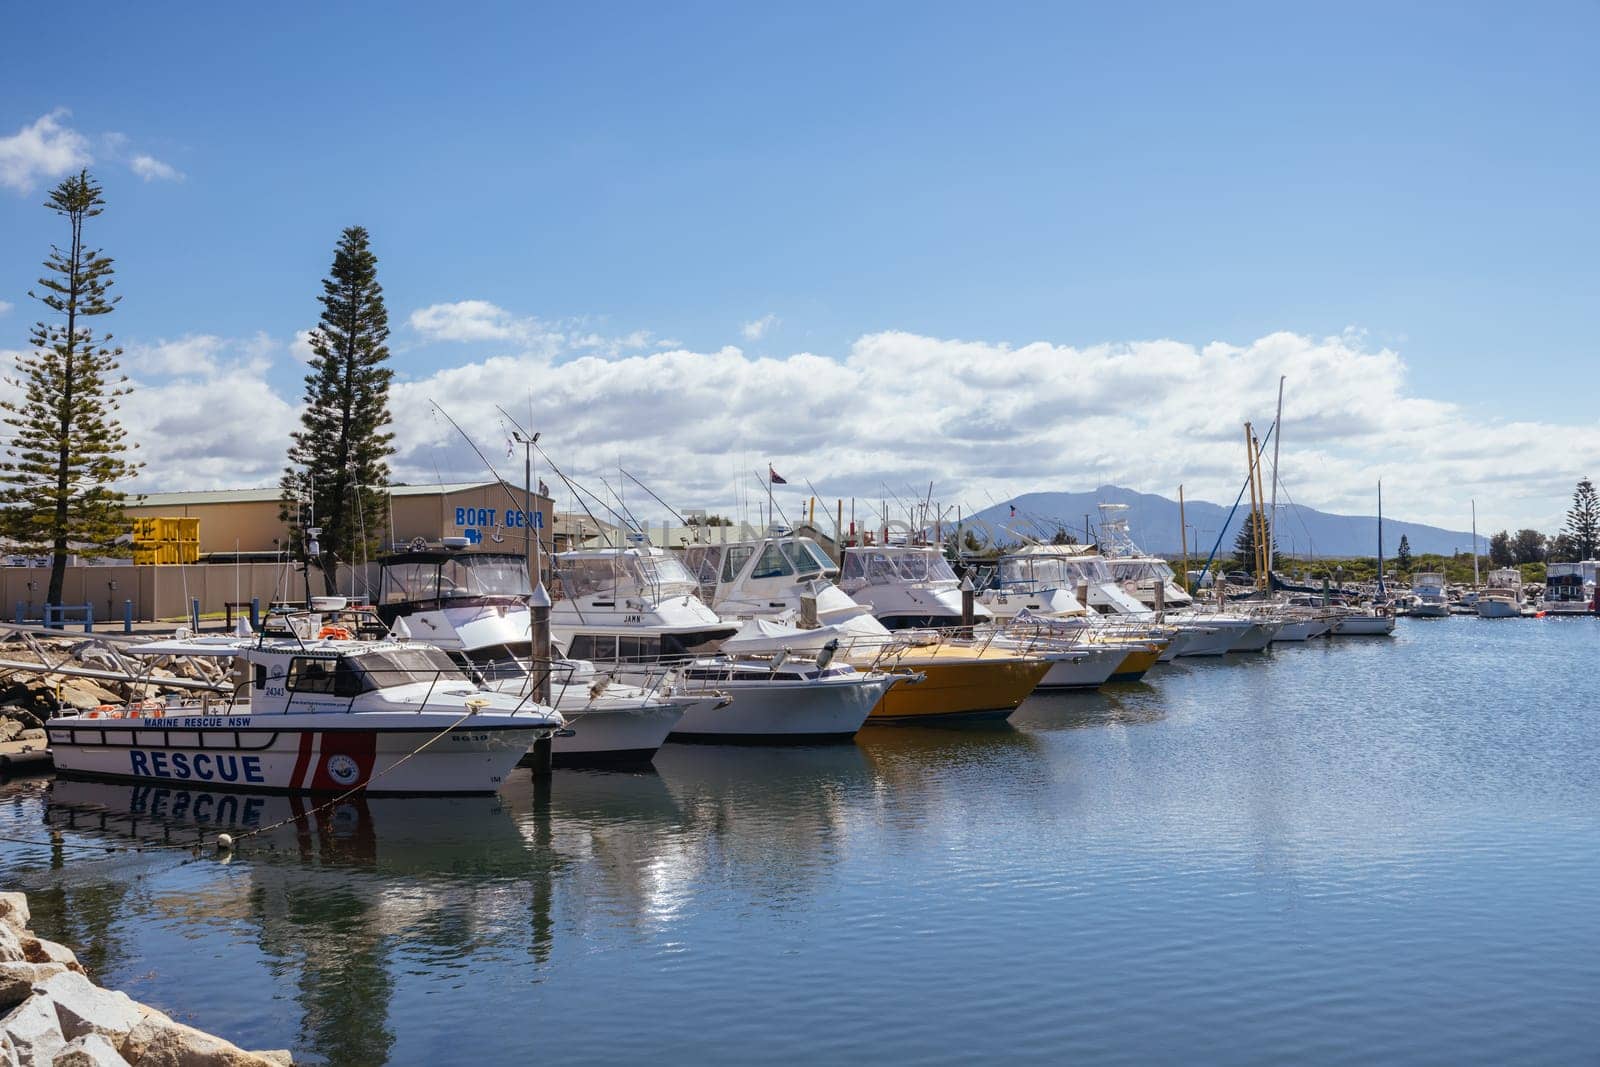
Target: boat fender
x=336, y=633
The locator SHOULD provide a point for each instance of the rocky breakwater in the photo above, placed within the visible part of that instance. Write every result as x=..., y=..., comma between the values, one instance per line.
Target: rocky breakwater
x=52, y=1015
x=28, y=697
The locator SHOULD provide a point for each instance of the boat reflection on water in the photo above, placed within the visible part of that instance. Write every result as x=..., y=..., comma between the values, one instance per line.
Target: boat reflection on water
x=1129, y=705
x=423, y=836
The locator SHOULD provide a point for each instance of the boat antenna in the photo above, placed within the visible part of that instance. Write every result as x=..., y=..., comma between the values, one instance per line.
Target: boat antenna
x=501, y=482
x=681, y=520
x=633, y=520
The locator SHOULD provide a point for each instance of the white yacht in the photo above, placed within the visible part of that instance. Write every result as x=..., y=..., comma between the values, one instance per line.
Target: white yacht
x=636, y=609
x=1060, y=581
x=1502, y=599
x=312, y=715
x=780, y=588
x=474, y=606
x=1370, y=620
x=1429, y=600
x=906, y=586
x=636, y=604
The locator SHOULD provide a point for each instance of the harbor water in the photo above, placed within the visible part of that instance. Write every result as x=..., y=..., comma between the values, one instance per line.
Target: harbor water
x=1339, y=852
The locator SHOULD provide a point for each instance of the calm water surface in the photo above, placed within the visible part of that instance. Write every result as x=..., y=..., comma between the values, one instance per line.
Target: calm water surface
x=1334, y=853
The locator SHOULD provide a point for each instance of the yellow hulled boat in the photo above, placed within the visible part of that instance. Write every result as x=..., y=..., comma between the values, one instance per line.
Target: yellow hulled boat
x=959, y=682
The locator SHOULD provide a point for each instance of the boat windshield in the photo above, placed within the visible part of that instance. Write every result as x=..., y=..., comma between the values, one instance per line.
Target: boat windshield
x=623, y=574
x=885, y=567
x=465, y=575
x=666, y=575
x=1052, y=572
x=789, y=558
x=1140, y=570
x=389, y=667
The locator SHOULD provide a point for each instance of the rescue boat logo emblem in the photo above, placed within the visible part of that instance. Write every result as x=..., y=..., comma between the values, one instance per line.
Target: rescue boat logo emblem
x=343, y=769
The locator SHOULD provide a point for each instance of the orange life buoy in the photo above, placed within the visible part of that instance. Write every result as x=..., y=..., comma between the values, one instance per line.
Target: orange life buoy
x=337, y=633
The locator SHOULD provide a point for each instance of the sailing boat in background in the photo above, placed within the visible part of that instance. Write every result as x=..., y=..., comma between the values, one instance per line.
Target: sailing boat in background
x=1376, y=619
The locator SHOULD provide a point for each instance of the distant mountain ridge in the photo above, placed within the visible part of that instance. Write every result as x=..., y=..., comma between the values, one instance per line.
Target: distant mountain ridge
x=1153, y=523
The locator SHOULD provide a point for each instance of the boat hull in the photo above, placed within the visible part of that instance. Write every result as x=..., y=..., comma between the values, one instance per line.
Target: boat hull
x=1207, y=641
x=1498, y=609
x=1136, y=664
x=960, y=686
x=1365, y=626
x=1430, y=611
x=1088, y=669
x=616, y=735
x=776, y=712
x=242, y=752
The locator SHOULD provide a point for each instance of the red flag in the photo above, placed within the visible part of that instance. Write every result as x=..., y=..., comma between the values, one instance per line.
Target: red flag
x=774, y=477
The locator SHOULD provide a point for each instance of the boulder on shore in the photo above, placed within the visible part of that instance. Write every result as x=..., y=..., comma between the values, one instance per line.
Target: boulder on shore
x=90, y=1050
x=17, y=981
x=14, y=911
x=33, y=1031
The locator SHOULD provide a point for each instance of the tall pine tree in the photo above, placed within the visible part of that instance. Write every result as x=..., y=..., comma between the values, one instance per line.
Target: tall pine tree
x=338, y=473
x=1583, y=520
x=1244, y=545
x=67, y=448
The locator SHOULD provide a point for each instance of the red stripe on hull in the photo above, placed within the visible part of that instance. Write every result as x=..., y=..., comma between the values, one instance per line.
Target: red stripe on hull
x=301, y=760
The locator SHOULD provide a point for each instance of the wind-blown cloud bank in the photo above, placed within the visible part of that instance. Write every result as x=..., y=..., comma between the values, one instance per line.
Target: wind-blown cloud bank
x=981, y=420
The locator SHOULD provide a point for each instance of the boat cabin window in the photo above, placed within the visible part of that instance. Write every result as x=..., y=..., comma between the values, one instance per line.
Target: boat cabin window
x=735, y=559
x=665, y=576
x=583, y=576
x=772, y=563
x=335, y=677
x=404, y=582
x=463, y=575
x=389, y=667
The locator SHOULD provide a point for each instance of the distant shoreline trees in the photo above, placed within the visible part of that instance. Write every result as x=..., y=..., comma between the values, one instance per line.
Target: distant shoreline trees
x=67, y=447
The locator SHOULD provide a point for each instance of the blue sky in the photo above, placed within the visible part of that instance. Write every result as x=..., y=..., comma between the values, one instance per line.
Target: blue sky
x=1075, y=175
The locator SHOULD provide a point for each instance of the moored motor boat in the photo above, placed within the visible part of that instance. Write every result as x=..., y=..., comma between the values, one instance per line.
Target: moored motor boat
x=779, y=699
x=313, y=715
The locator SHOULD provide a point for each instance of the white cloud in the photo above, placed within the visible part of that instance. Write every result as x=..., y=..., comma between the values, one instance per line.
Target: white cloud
x=204, y=414
x=979, y=419
x=43, y=149
x=468, y=320
x=985, y=418
x=5, y=307
x=755, y=331
x=150, y=169
x=300, y=347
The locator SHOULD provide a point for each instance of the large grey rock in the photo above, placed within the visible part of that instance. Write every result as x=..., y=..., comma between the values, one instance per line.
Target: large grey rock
x=84, y=1008
x=156, y=1044
x=90, y=1050
x=14, y=909
x=18, y=979
x=9, y=729
x=34, y=1032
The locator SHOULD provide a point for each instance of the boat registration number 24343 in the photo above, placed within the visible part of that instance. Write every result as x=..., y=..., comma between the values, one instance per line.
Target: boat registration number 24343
x=196, y=766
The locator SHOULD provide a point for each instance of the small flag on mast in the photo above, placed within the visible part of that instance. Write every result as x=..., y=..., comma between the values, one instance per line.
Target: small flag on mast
x=774, y=477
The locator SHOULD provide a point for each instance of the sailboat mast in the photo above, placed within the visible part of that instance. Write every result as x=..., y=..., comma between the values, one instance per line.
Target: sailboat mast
x=1183, y=539
x=1254, y=517
x=1277, y=443
x=1380, y=537
x=1474, y=544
